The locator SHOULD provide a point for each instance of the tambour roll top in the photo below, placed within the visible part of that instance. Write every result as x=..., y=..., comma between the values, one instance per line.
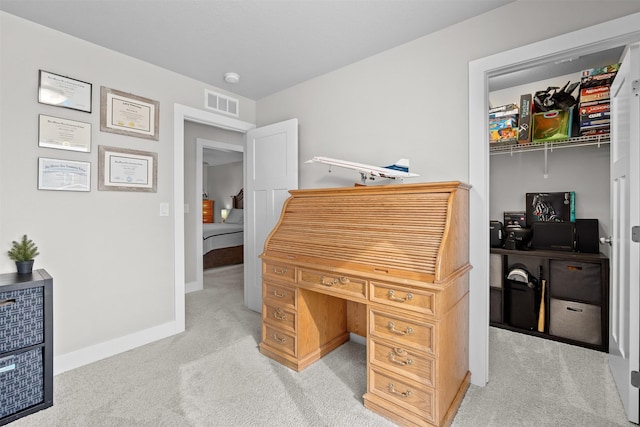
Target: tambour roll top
x=407, y=230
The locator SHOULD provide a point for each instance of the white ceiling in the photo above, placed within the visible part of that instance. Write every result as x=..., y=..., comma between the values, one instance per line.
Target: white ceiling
x=272, y=44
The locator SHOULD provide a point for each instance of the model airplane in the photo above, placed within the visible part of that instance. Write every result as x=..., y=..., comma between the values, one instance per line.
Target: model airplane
x=398, y=170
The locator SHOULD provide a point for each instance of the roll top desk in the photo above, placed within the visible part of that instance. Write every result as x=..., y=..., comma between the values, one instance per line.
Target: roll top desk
x=389, y=263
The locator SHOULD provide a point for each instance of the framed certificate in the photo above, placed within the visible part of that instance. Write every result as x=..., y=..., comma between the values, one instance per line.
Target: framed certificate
x=64, y=134
x=63, y=175
x=61, y=91
x=121, y=169
x=128, y=114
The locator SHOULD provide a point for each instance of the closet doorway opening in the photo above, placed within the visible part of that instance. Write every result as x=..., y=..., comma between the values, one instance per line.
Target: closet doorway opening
x=609, y=35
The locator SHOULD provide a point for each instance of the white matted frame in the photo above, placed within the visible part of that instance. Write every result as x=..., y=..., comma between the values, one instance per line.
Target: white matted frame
x=121, y=169
x=127, y=114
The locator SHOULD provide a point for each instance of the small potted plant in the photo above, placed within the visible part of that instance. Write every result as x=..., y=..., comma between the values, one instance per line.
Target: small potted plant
x=23, y=253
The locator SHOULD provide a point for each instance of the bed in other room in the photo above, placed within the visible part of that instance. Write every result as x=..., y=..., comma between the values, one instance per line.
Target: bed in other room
x=223, y=242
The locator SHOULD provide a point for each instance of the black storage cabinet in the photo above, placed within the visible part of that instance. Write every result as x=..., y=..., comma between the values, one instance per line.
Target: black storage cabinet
x=26, y=344
x=576, y=296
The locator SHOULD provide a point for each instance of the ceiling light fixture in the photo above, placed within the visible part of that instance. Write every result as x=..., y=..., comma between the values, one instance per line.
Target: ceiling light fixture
x=231, y=77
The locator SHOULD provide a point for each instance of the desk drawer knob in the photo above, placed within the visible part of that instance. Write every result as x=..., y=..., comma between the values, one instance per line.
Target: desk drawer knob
x=392, y=297
x=280, y=340
x=282, y=295
x=334, y=281
x=328, y=282
x=392, y=328
x=279, y=314
x=280, y=270
x=392, y=389
x=392, y=357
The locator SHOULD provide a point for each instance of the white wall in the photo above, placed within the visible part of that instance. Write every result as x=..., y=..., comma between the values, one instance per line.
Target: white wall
x=110, y=253
x=412, y=101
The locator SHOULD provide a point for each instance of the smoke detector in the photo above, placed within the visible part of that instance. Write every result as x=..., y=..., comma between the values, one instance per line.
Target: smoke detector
x=231, y=77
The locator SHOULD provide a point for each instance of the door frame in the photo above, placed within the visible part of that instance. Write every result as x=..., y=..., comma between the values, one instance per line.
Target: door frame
x=617, y=32
x=182, y=113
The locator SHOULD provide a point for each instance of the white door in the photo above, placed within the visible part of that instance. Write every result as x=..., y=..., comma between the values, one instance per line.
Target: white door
x=625, y=255
x=271, y=166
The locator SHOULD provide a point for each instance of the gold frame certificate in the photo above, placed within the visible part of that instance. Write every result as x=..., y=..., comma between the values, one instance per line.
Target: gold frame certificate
x=64, y=134
x=128, y=114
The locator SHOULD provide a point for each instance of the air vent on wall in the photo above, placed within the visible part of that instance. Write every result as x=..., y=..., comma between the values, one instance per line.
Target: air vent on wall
x=221, y=103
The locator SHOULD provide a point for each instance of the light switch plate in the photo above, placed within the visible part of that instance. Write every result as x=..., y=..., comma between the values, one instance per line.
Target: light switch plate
x=164, y=209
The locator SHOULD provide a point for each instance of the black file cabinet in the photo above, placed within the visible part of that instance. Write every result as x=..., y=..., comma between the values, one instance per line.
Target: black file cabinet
x=576, y=297
x=26, y=344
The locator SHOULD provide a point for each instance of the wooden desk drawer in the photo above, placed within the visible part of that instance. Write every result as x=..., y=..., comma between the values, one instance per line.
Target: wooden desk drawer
x=285, y=295
x=326, y=281
x=404, y=393
x=403, y=360
x=401, y=330
x=279, y=271
x=279, y=340
x=417, y=300
x=279, y=317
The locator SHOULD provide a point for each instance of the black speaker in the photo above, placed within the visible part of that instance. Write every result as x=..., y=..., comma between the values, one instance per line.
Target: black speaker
x=587, y=239
x=495, y=233
x=557, y=236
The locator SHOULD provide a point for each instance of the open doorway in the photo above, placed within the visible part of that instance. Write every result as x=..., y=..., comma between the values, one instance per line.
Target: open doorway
x=219, y=177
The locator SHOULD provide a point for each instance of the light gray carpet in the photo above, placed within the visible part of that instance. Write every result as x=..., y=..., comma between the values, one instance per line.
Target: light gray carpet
x=214, y=375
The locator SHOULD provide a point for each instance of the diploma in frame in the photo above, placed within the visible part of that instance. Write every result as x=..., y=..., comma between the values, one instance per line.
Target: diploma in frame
x=128, y=114
x=121, y=169
x=64, y=134
x=61, y=91
x=63, y=175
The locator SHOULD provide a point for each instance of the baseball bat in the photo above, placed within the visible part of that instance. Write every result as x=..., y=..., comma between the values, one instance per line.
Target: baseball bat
x=541, y=313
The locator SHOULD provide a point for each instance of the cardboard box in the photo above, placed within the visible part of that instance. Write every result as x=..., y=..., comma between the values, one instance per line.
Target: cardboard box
x=601, y=130
x=524, y=120
x=503, y=108
x=516, y=219
x=588, y=124
x=503, y=129
x=597, y=93
x=550, y=207
x=587, y=110
x=599, y=76
x=554, y=125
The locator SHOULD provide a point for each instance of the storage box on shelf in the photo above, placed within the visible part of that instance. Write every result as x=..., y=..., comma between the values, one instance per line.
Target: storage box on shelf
x=577, y=296
x=26, y=344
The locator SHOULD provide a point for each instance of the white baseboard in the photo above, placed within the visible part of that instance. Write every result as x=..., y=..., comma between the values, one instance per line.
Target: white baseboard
x=358, y=339
x=75, y=359
x=192, y=287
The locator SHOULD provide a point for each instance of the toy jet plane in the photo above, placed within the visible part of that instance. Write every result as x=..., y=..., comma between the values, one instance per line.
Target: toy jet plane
x=398, y=170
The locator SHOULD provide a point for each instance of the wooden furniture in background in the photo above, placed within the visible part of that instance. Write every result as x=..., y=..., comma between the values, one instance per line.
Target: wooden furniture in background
x=226, y=256
x=576, y=295
x=26, y=344
x=207, y=211
x=390, y=263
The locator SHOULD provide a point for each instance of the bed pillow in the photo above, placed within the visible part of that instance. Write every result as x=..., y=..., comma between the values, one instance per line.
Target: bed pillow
x=235, y=216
